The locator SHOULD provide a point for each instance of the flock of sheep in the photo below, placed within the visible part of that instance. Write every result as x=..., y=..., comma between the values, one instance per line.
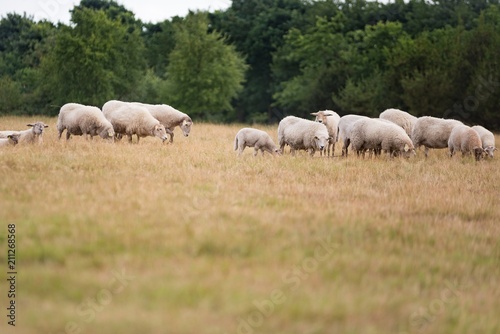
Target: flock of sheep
x=114, y=121
x=395, y=132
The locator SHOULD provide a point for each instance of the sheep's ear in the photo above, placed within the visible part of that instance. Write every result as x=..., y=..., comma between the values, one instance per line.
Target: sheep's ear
x=45, y=126
x=9, y=136
x=31, y=124
x=407, y=148
x=494, y=149
x=314, y=113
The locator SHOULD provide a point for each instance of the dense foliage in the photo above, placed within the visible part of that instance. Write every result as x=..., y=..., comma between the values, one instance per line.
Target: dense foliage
x=262, y=59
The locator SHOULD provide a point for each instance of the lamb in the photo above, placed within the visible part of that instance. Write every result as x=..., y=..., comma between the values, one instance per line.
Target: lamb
x=128, y=119
x=487, y=139
x=432, y=132
x=30, y=136
x=302, y=134
x=345, y=125
x=258, y=139
x=331, y=120
x=10, y=140
x=465, y=139
x=78, y=120
x=169, y=117
x=401, y=118
x=376, y=134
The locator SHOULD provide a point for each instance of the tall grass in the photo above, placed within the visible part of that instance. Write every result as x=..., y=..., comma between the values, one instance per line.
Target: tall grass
x=211, y=243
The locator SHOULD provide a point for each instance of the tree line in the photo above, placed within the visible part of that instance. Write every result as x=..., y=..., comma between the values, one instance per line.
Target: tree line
x=260, y=60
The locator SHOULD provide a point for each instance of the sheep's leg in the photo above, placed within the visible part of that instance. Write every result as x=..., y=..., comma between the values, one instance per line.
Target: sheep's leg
x=68, y=135
x=426, y=151
x=171, y=133
x=255, y=151
x=60, y=134
x=129, y=138
x=138, y=138
x=452, y=152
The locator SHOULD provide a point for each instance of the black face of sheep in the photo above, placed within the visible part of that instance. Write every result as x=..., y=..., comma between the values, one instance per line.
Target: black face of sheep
x=478, y=153
x=14, y=139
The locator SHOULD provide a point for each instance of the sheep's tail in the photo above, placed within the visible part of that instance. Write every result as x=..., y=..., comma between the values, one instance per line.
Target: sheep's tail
x=236, y=143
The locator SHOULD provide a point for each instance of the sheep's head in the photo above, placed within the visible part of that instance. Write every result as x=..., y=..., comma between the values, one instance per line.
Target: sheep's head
x=159, y=131
x=478, y=153
x=409, y=151
x=14, y=138
x=322, y=116
x=321, y=140
x=107, y=133
x=186, y=126
x=489, y=151
x=38, y=127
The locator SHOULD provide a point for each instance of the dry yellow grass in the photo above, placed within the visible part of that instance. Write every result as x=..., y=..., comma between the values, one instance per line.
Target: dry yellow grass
x=187, y=238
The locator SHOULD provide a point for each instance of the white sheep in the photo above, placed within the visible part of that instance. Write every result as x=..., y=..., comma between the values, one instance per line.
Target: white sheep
x=33, y=135
x=258, y=139
x=466, y=140
x=401, y=118
x=331, y=120
x=78, y=120
x=128, y=119
x=432, y=132
x=302, y=134
x=169, y=117
x=345, y=124
x=487, y=139
x=377, y=135
x=10, y=140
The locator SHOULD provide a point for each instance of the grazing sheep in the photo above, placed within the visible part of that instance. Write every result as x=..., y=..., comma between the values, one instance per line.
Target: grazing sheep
x=169, y=117
x=432, y=132
x=376, y=134
x=487, y=138
x=465, y=139
x=345, y=125
x=258, y=139
x=10, y=140
x=128, y=119
x=78, y=120
x=30, y=136
x=401, y=118
x=302, y=134
x=331, y=120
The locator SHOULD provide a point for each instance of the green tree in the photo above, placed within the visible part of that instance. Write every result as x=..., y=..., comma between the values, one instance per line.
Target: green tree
x=94, y=60
x=204, y=72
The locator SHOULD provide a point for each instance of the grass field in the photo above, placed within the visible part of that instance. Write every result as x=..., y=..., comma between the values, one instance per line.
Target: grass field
x=188, y=238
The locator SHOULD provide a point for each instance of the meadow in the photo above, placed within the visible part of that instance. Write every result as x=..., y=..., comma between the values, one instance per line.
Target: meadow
x=188, y=238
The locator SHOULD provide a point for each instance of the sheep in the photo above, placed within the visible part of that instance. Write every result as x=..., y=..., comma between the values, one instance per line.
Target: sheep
x=331, y=120
x=10, y=140
x=303, y=134
x=432, y=132
x=128, y=119
x=258, y=139
x=30, y=136
x=376, y=134
x=344, y=133
x=78, y=120
x=169, y=117
x=465, y=139
x=487, y=139
x=401, y=118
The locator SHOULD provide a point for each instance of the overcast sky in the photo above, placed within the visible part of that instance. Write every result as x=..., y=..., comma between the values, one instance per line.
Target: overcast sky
x=146, y=10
